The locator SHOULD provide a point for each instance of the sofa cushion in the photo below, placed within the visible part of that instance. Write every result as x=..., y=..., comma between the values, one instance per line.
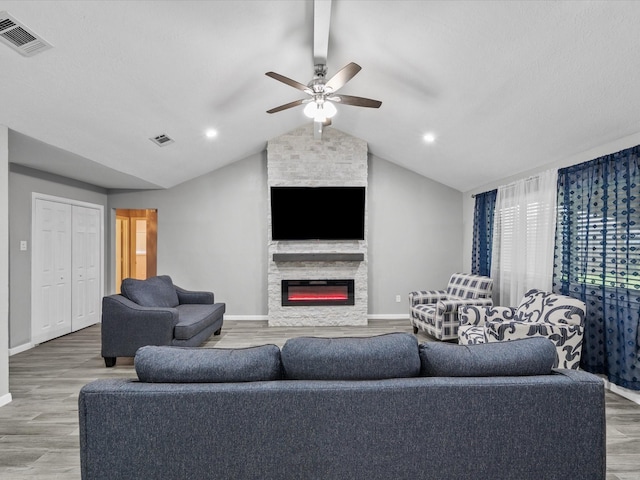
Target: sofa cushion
x=193, y=318
x=531, y=356
x=393, y=355
x=152, y=292
x=156, y=364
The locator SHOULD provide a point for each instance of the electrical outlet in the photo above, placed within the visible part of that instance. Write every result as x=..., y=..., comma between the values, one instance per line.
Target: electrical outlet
x=23, y=245
x=398, y=298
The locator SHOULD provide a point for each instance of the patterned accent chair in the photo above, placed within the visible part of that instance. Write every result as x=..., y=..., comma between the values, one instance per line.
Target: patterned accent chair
x=436, y=311
x=540, y=314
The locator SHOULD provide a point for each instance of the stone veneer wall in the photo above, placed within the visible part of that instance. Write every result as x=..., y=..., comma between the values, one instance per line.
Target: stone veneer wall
x=298, y=159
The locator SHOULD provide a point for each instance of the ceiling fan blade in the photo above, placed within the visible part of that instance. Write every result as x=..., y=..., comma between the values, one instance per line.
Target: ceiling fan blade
x=285, y=106
x=343, y=76
x=289, y=82
x=356, y=101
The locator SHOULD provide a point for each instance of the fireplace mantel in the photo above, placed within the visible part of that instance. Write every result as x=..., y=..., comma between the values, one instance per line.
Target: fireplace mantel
x=318, y=257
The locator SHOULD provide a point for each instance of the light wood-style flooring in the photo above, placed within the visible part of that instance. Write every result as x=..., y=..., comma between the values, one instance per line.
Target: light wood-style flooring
x=39, y=428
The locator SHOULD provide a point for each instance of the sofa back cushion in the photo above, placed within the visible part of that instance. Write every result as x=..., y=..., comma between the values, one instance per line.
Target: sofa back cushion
x=466, y=285
x=156, y=364
x=539, y=306
x=393, y=355
x=152, y=292
x=531, y=356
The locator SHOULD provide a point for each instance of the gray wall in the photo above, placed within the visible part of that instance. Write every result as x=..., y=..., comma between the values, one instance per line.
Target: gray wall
x=5, y=396
x=212, y=234
x=415, y=235
x=22, y=182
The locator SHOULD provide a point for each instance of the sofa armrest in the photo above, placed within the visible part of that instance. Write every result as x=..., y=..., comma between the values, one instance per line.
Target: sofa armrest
x=126, y=326
x=192, y=296
x=426, y=296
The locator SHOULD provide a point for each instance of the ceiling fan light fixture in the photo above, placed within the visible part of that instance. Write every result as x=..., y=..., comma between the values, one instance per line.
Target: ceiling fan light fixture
x=429, y=137
x=320, y=111
x=311, y=109
x=329, y=109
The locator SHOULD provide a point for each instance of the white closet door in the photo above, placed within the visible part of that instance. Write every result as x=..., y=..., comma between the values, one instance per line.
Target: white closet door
x=86, y=267
x=51, y=285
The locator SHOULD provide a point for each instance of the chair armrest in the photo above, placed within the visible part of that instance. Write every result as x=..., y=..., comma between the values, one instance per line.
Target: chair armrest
x=476, y=315
x=566, y=338
x=498, y=330
x=452, y=305
x=426, y=296
x=126, y=326
x=472, y=315
x=192, y=296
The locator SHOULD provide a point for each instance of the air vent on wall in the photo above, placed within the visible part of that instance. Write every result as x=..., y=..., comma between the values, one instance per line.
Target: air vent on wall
x=19, y=37
x=162, y=140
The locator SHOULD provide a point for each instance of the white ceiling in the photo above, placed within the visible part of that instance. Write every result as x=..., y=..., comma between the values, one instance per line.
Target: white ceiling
x=506, y=86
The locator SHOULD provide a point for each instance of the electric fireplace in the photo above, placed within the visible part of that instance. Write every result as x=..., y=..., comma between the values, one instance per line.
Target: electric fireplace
x=317, y=292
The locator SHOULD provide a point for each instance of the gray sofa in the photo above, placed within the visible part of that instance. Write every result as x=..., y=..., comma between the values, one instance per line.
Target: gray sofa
x=156, y=312
x=350, y=408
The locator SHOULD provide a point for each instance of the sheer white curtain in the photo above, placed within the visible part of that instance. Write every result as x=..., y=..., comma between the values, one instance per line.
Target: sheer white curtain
x=523, y=237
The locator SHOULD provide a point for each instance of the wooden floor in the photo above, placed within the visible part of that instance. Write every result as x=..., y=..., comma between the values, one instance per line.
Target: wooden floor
x=39, y=428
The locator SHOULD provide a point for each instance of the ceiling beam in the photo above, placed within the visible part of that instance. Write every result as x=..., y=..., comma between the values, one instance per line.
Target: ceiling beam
x=321, y=21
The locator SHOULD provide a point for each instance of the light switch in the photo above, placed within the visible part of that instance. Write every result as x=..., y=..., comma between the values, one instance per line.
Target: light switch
x=23, y=245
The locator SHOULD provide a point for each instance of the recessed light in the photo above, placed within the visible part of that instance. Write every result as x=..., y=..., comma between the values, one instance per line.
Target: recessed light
x=211, y=133
x=429, y=137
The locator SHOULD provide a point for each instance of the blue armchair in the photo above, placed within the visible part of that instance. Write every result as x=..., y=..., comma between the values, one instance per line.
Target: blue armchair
x=156, y=312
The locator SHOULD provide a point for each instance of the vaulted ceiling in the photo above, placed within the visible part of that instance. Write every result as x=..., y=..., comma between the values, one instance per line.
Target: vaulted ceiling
x=505, y=86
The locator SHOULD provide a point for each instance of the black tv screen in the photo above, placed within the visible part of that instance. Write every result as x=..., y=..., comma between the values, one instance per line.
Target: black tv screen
x=317, y=213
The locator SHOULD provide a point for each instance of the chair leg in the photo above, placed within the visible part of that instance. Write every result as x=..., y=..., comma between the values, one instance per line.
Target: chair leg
x=415, y=330
x=109, y=361
x=217, y=332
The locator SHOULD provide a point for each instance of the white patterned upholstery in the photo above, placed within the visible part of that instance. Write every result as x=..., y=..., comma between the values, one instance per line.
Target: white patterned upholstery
x=540, y=314
x=436, y=311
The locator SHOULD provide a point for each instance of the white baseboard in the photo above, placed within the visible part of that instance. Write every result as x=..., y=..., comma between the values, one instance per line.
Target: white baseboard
x=632, y=395
x=247, y=317
x=378, y=316
x=21, y=348
x=5, y=399
x=388, y=316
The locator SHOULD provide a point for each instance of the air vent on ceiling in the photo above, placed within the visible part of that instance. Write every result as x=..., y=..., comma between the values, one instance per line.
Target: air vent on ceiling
x=162, y=140
x=19, y=37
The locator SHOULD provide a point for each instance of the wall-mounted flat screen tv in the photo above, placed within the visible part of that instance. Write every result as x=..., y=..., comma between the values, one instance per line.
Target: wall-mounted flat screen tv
x=317, y=213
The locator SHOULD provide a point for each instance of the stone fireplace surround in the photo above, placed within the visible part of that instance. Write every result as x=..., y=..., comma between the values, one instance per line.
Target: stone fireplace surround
x=298, y=159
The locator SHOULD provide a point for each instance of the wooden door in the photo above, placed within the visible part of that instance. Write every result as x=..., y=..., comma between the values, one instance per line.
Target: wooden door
x=136, y=244
x=123, y=264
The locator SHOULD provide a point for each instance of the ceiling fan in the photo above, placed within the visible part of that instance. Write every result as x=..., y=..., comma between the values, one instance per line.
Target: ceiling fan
x=322, y=93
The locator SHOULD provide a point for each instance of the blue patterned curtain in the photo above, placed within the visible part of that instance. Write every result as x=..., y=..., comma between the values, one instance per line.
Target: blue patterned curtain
x=483, y=233
x=598, y=260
